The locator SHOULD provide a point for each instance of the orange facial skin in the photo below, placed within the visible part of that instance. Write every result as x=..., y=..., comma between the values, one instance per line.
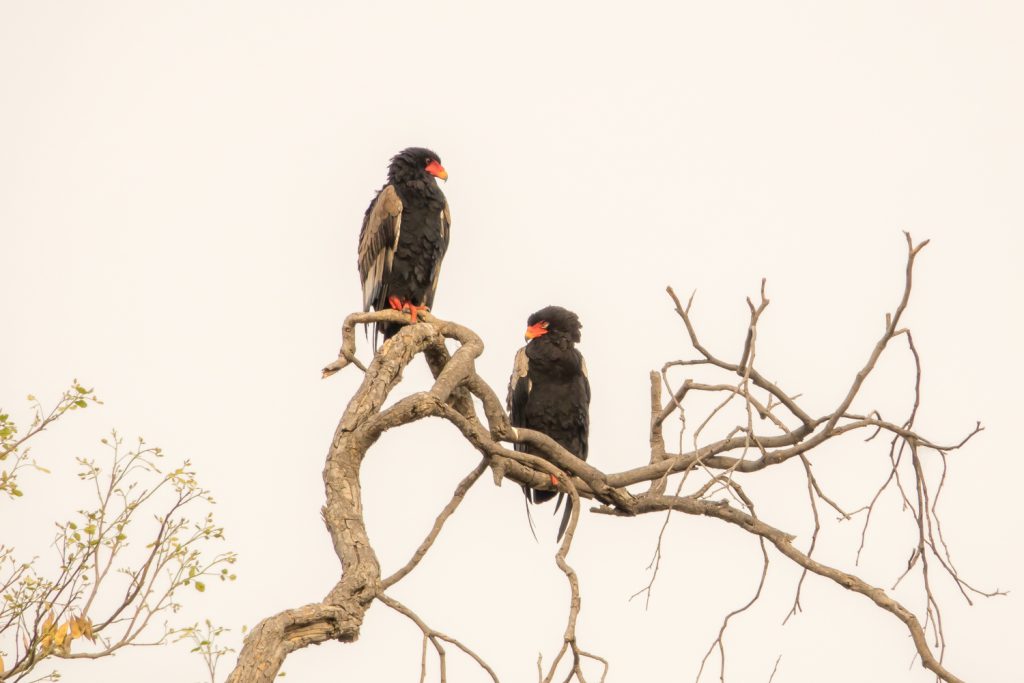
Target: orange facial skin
x=437, y=170
x=534, y=331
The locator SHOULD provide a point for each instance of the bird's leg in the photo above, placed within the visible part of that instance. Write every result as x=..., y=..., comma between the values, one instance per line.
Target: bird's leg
x=414, y=310
x=406, y=306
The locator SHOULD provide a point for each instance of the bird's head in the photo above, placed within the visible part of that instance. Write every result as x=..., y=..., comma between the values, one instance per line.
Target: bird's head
x=553, y=320
x=415, y=162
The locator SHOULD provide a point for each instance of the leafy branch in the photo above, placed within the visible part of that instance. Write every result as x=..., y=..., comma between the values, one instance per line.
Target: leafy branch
x=119, y=565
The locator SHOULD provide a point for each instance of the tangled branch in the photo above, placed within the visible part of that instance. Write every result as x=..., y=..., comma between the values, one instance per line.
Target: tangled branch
x=782, y=431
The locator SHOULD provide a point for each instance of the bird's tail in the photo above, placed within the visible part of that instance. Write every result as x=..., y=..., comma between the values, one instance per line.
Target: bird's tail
x=543, y=496
x=565, y=515
x=382, y=332
x=535, y=496
x=529, y=517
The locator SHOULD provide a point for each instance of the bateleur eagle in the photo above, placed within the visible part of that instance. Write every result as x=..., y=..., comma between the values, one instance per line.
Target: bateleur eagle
x=549, y=391
x=404, y=237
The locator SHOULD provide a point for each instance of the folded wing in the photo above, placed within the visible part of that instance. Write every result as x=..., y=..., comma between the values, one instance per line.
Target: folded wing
x=378, y=240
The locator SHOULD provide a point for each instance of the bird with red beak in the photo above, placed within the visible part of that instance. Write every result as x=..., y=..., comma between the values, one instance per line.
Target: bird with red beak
x=404, y=237
x=549, y=392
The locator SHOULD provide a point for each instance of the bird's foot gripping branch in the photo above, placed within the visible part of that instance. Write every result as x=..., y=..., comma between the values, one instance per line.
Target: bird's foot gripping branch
x=706, y=480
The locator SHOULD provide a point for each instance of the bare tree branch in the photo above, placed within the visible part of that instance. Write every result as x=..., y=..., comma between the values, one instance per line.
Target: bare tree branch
x=421, y=551
x=431, y=634
x=783, y=430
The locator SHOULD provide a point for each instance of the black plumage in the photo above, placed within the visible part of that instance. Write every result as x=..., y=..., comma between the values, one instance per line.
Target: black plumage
x=404, y=237
x=549, y=391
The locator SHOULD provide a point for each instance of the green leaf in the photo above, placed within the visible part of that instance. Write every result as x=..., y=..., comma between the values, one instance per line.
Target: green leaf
x=200, y=586
x=81, y=403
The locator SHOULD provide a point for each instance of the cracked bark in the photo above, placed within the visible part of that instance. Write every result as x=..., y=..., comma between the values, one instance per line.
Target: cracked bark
x=339, y=616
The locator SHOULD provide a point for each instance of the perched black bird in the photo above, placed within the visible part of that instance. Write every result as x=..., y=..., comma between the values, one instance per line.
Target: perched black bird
x=405, y=234
x=549, y=391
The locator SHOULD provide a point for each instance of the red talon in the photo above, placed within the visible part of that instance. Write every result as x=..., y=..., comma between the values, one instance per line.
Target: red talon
x=414, y=310
x=406, y=307
x=554, y=480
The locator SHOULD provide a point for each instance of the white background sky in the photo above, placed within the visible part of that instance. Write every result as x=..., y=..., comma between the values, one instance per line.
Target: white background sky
x=181, y=188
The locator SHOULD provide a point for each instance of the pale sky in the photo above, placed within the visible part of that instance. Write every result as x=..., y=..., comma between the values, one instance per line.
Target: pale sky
x=181, y=189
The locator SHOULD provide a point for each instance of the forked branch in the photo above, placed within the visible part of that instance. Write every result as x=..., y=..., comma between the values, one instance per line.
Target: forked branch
x=783, y=431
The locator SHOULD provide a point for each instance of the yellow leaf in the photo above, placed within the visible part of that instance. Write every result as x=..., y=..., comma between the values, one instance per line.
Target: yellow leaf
x=48, y=623
x=62, y=633
x=87, y=628
x=65, y=639
x=76, y=628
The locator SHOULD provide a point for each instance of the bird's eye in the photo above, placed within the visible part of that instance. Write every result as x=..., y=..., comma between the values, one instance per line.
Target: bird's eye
x=544, y=325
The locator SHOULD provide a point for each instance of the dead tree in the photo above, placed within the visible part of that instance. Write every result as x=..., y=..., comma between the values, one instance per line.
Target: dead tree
x=774, y=429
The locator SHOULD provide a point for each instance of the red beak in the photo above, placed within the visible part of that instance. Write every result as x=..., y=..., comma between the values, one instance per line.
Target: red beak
x=534, y=331
x=437, y=170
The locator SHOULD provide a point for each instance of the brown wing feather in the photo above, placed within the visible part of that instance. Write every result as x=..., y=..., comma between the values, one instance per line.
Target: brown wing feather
x=378, y=240
x=446, y=224
x=519, y=387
